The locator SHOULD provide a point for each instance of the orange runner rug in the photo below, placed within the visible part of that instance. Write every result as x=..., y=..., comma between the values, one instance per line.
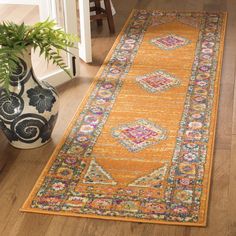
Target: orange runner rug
x=141, y=144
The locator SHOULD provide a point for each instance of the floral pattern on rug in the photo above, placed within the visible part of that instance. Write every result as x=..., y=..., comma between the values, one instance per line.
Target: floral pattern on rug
x=97, y=175
x=152, y=180
x=136, y=136
x=180, y=199
x=170, y=41
x=157, y=81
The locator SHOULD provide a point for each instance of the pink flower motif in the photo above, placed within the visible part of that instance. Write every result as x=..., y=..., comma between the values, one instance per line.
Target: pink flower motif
x=128, y=46
x=70, y=160
x=199, y=98
x=192, y=134
x=195, y=125
x=197, y=116
x=190, y=157
x=101, y=203
x=154, y=208
x=202, y=83
x=208, y=44
x=100, y=101
x=122, y=58
x=180, y=210
x=86, y=128
x=130, y=41
x=114, y=71
x=107, y=86
x=206, y=56
x=82, y=138
x=97, y=110
x=58, y=186
x=185, y=181
x=207, y=50
x=91, y=119
x=204, y=68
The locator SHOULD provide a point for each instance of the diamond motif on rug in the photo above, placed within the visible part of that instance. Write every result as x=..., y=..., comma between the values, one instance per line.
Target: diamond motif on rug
x=192, y=21
x=157, y=81
x=170, y=41
x=96, y=175
x=138, y=135
x=152, y=180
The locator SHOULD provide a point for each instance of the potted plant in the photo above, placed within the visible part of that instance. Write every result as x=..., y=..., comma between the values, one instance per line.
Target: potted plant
x=29, y=107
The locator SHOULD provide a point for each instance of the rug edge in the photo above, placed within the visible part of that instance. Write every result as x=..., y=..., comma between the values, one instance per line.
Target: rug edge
x=216, y=109
x=113, y=218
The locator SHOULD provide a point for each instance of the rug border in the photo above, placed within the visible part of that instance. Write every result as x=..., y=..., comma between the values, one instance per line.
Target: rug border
x=25, y=207
x=216, y=111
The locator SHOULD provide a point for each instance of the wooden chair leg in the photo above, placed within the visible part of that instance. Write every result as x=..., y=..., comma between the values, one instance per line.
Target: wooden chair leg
x=109, y=16
x=98, y=11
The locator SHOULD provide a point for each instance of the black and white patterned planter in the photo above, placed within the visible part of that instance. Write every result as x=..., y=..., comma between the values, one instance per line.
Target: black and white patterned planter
x=28, y=116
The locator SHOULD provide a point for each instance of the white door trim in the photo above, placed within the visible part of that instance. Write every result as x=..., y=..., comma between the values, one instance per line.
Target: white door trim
x=85, y=51
x=46, y=10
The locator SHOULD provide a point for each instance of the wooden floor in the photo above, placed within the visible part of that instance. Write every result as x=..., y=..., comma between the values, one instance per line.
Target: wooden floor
x=23, y=167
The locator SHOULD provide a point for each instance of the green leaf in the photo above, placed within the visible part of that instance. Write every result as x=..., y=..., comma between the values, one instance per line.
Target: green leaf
x=47, y=36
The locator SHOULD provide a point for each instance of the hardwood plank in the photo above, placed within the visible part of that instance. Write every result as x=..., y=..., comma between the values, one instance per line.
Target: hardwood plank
x=232, y=189
x=234, y=102
x=224, y=123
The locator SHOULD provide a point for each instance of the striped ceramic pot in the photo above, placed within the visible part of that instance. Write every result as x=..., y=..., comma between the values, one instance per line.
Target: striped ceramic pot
x=28, y=114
